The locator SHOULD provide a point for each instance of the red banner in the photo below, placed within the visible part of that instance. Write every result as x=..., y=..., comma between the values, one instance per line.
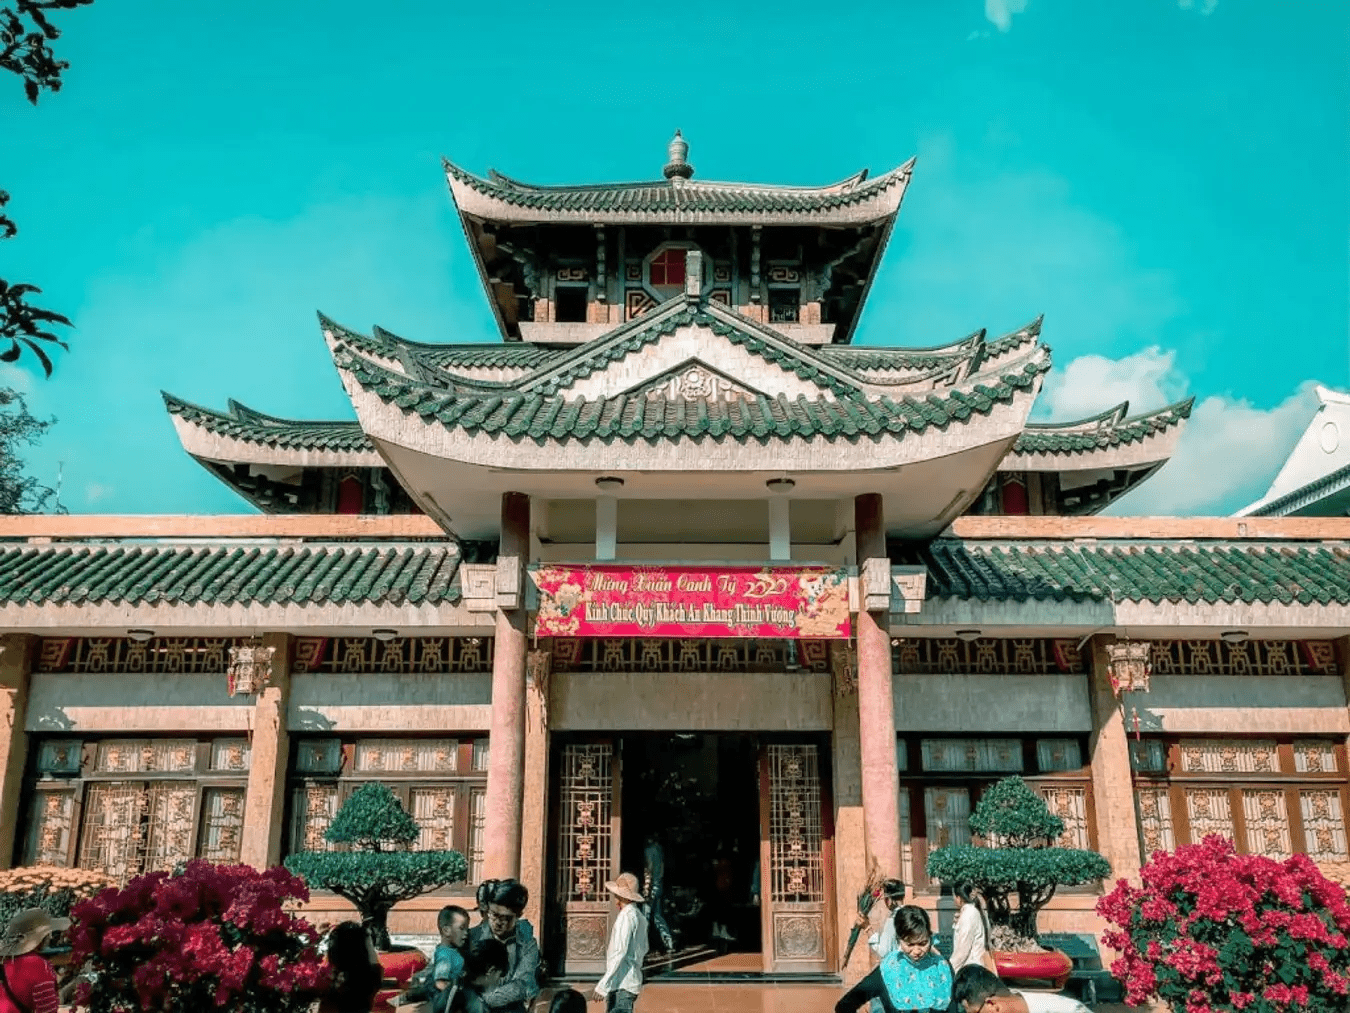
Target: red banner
x=604, y=600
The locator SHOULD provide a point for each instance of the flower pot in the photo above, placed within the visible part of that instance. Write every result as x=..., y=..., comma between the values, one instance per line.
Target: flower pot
x=1048, y=965
x=398, y=965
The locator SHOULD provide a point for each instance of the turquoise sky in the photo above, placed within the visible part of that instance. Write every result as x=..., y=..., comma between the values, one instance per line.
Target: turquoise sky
x=1166, y=181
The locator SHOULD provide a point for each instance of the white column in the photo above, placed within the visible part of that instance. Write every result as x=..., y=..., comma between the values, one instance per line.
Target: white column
x=780, y=534
x=606, y=527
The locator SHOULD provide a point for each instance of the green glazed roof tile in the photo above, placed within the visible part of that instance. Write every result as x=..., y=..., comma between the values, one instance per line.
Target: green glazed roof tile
x=245, y=424
x=1202, y=573
x=1109, y=429
x=229, y=575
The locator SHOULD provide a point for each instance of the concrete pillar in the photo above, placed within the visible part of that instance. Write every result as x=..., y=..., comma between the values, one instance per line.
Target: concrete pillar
x=534, y=814
x=876, y=701
x=506, y=772
x=1112, y=782
x=265, y=803
x=850, y=838
x=18, y=653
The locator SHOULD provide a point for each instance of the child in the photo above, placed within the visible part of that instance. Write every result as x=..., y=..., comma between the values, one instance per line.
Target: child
x=447, y=962
x=484, y=968
x=977, y=989
x=915, y=977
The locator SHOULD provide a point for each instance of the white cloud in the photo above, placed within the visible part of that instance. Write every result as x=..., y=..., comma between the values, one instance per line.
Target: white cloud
x=94, y=492
x=1000, y=12
x=17, y=378
x=1093, y=383
x=1206, y=7
x=1228, y=453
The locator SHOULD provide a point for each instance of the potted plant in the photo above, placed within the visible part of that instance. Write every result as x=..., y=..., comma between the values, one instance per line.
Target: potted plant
x=205, y=937
x=1212, y=931
x=379, y=870
x=1020, y=861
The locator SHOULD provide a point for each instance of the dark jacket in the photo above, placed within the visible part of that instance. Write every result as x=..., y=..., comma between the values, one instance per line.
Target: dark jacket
x=513, y=995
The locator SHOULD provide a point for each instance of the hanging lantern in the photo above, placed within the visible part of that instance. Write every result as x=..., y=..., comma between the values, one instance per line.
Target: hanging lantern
x=1129, y=666
x=250, y=667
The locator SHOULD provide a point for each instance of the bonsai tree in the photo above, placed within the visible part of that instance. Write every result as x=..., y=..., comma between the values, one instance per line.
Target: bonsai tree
x=379, y=870
x=1020, y=859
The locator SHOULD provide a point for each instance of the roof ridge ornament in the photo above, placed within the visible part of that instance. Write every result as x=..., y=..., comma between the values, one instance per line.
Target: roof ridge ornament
x=677, y=153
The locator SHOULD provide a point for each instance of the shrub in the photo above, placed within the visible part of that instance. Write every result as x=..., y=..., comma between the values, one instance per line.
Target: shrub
x=380, y=871
x=53, y=888
x=1212, y=931
x=1020, y=828
x=208, y=937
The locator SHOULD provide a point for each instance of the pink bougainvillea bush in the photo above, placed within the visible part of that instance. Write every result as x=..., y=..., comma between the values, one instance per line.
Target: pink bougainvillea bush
x=209, y=937
x=1212, y=931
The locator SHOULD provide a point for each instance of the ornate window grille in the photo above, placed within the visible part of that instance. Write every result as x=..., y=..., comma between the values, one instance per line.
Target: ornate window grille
x=585, y=805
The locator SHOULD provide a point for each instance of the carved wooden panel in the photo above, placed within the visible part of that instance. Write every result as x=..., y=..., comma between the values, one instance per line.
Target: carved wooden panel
x=797, y=895
x=799, y=936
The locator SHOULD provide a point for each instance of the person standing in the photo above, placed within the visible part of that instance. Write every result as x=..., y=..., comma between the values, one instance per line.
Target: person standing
x=970, y=939
x=502, y=904
x=914, y=977
x=27, y=980
x=618, y=988
x=356, y=970
x=654, y=886
x=882, y=941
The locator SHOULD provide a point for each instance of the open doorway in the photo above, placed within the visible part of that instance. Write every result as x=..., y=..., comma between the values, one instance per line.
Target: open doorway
x=691, y=805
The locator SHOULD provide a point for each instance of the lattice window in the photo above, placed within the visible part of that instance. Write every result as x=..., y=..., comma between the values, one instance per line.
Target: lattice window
x=222, y=825
x=624, y=654
x=1315, y=756
x=179, y=655
x=1229, y=756
x=112, y=838
x=477, y=833
x=434, y=811
x=585, y=802
x=946, y=656
x=146, y=756
x=1251, y=657
x=231, y=754
x=313, y=807
x=1323, y=825
x=1058, y=755
x=1208, y=812
x=1154, y=806
x=401, y=654
x=972, y=755
x=407, y=756
x=1267, y=819
x=52, y=826
x=947, y=813
x=480, y=754
x=170, y=822
x=1070, y=805
x=796, y=865
x=906, y=839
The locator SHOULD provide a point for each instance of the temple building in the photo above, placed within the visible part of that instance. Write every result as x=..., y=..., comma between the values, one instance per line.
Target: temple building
x=675, y=567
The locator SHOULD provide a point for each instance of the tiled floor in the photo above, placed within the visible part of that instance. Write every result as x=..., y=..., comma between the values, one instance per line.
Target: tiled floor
x=669, y=997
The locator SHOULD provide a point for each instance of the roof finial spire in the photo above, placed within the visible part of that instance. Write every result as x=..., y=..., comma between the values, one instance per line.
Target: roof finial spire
x=677, y=152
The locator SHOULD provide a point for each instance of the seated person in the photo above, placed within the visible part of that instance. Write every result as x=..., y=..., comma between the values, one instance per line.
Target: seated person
x=484, y=968
x=976, y=989
x=915, y=977
x=569, y=1000
x=356, y=970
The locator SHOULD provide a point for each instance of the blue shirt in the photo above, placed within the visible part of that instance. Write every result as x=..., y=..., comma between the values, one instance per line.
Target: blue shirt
x=447, y=964
x=924, y=985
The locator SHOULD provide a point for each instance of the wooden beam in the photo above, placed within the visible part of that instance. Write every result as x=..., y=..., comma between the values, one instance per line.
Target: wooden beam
x=76, y=526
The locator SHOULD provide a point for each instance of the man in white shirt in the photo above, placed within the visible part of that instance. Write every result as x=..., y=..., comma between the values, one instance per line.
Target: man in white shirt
x=976, y=990
x=622, y=981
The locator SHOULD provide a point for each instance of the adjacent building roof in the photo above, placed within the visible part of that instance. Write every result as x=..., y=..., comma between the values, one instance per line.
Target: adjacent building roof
x=1315, y=479
x=249, y=426
x=856, y=200
x=1284, y=572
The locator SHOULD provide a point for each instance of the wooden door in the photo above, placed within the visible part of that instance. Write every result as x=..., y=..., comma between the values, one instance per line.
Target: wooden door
x=587, y=850
x=796, y=860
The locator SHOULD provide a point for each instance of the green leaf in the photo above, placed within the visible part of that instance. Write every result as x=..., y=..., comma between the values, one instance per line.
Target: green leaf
x=372, y=818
